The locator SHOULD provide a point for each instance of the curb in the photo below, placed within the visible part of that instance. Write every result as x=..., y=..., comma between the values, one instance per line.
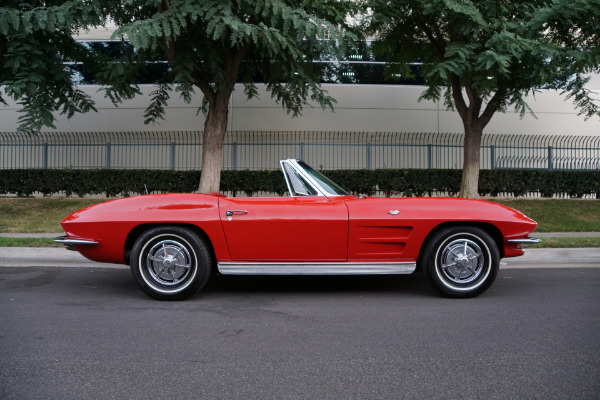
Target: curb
x=59, y=257
x=47, y=257
x=555, y=258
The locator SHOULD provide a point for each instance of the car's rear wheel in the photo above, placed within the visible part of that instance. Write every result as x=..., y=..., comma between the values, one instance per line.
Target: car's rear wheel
x=460, y=261
x=170, y=262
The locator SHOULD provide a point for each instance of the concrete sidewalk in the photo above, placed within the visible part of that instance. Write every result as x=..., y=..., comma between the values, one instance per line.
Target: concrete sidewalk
x=47, y=257
x=555, y=258
x=533, y=258
x=59, y=257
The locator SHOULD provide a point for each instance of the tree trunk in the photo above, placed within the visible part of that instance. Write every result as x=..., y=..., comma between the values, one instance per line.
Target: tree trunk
x=470, y=178
x=215, y=128
x=3, y=47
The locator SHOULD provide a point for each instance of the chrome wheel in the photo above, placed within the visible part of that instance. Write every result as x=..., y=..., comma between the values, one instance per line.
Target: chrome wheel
x=169, y=262
x=460, y=261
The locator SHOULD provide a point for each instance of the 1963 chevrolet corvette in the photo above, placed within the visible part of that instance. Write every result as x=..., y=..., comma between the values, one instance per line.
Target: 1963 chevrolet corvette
x=174, y=242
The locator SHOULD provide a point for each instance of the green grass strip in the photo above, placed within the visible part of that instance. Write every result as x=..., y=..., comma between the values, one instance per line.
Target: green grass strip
x=31, y=215
x=553, y=215
x=27, y=242
x=565, y=243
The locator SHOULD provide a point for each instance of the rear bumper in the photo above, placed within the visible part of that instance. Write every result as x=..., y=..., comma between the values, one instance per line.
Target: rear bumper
x=69, y=243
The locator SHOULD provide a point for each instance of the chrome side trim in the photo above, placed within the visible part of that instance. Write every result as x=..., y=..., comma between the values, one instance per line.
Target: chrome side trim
x=524, y=241
x=70, y=242
x=316, y=268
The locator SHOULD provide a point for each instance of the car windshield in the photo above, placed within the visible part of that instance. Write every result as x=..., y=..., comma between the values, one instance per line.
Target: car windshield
x=326, y=183
x=298, y=186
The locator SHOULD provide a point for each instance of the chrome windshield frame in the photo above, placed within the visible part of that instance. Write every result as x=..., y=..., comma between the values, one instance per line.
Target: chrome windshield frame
x=295, y=165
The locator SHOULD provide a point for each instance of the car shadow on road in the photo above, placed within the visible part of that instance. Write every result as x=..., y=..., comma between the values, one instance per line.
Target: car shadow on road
x=118, y=283
x=414, y=284
x=100, y=284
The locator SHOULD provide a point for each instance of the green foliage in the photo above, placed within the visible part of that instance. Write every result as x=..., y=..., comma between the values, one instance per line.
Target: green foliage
x=481, y=57
x=389, y=182
x=213, y=44
x=210, y=44
x=156, y=110
x=499, y=52
x=203, y=41
x=35, y=39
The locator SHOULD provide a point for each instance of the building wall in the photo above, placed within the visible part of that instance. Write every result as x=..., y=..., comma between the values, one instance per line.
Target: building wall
x=359, y=108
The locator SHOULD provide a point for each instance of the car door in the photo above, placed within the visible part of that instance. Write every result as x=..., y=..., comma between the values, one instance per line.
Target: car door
x=292, y=229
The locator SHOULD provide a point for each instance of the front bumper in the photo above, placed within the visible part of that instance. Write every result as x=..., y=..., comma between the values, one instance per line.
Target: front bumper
x=524, y=241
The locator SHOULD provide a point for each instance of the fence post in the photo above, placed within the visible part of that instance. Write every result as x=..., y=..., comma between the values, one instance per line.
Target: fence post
x=172, y=155
x=302, y=150
x=234, y=155
x=492, y=157
x=550, y=163
x=107, y=166
x=429, y=156
x=368, y=155
x=45, y=156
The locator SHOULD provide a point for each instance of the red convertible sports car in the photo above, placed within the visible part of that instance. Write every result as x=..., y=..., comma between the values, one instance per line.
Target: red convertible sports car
x=174, y=242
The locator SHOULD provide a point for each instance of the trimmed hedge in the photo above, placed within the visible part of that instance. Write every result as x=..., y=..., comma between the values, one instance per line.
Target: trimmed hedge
x=113, y=182
x=390, y=182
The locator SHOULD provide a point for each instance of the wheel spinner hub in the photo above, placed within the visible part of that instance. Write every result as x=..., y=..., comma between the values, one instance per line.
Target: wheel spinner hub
x=462, y=261
x=168, y=262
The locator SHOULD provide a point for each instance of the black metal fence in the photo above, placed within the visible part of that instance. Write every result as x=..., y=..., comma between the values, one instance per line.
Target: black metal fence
x=262, y=150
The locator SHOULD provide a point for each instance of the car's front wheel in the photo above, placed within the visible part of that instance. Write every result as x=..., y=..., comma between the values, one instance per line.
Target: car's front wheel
x=460, y=261
x=170, y=262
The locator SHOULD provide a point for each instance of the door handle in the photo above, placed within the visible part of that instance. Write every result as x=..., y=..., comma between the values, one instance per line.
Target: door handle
x=229, y=213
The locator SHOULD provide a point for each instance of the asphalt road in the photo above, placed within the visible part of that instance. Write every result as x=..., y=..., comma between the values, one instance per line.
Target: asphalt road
x=90, y=333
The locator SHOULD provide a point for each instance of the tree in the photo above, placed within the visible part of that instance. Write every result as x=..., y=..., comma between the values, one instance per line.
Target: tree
x=483, y=56
x=35, y=39
x=210, y=44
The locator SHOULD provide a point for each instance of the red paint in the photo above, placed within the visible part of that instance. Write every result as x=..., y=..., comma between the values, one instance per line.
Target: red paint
x=311, y=228
x=417, y=217
x=293, y=228
x=111, y=222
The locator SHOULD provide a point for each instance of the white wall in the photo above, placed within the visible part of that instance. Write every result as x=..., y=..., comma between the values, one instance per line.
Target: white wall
x=368, y=108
